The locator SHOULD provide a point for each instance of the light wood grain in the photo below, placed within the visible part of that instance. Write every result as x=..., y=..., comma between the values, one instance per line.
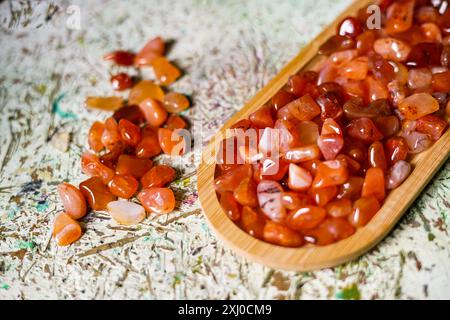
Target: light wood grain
x=312, y=257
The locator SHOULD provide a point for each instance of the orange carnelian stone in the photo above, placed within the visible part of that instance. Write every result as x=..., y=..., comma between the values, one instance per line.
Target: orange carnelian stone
x=418, y=105
x=339, y=228
x=73, y=200
x=111, y=134
x=91, y=165
x=377, y=158
x=330, y=173
x=132, y=165
x=306, y=217
x=158, y=176
x=339, y=208
x=269, y=198
x=121, y=81
x=175, y=122
x=304, y=108
x=149, y=145
x=330, y=145
x=171, y=141
x=269, y=169
x=95, y=136
x=153, y=112
x=281, y=235
x=351, y=189
x=143, y=90
x=129, y=132
x=231, y=207
x=282, y=98
x=302, y=154
x=175, y=102
x=431, y=125
x=245, y=193
x=322, y=196
x=120, y=57
x=263, y=117
x=400, y=16
x=104, y=103
x=152, y=49
x=363, y=210
x=396, y=149
x=364, y=129
x=96, y=193
x=157, y=200
x=294, y=200
x=441, y=81
x=123, y=186
x=165, y=72
x=252, y=222
x=374, y=184
x=300, y=179
x=231, y=180
x=65, y=229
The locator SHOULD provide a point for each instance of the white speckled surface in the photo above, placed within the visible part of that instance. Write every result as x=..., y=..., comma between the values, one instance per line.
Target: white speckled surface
x=228, y=50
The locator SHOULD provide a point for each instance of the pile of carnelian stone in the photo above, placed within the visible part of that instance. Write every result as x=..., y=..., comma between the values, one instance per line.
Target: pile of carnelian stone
x=119, y=162
x=335, y=140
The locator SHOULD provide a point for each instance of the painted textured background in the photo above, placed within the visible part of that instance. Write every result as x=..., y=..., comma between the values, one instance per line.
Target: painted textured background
x=228, y=50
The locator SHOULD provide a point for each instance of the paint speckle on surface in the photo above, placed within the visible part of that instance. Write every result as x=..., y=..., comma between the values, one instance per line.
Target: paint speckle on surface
x=29, y=245
x=42, y=206
x=349, y=293
x=4, y=286
x=56, y=109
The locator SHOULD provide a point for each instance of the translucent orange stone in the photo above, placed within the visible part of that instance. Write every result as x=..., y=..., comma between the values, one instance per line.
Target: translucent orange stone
x=339, y=228
x=152, y=49
x=364, y=42
x=230, y=206
x=171, y=141
x=336, y=43
x=381, y=68
x=129, y=132
x=281, y=235
x=392, y=49
x=72, y=200
x=441, y=82
x=376, y=89
x=231, y=180
x=104, y=103
x=96, y=193
x=123, y=186
x=252, y=222
x=175, y=122
x=396, y=149
x=424, y=55
x=245, y=193
x=149, y=146
x=353, y=88
x=304, y=108
x=374, y=184
x=157, y=200
x=420, y=79
x=311, y=165
x=352, y=165
x=145, y=89
x=319, y=236
x=330, y=173
x=307, y=133
x=126, y=212
x=330, y=145
x=295, y=85
x=323, y=195
x=302, y=154
x=165, y=72
x=121, y=81
x=269, y=198
x=351, y=189
x=300, y=179
x=377, y=158
x=263, y=117
x=388, y=126
x=270, y=169
x=364, y=129
x=153, y=112
x=397, y=174
x=91, y=165
x=65, y=229
x=111, y=134
x=339, y=208
x=363, y=211
x=399, y=16
x=306, y=217
x=356, y=69
x=330, y=106
x=282, y=98
x=158, y=176
x=294, y=200
x=431, y=125
x=175, y=102
x=132, y=165
x=350, y=26
x=418, y=105
x=109, y=158
x=95, y=136
x=130, y=112
x=120, y=57
x=355, y=149
x=284, y=136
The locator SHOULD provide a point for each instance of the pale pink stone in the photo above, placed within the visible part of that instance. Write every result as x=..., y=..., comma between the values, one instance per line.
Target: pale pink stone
x=126, y=212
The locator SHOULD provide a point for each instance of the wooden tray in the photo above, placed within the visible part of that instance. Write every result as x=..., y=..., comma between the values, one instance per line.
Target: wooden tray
x=313, y=257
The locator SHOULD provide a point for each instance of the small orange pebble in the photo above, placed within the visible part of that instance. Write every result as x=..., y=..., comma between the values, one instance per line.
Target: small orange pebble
x=323, y=195
x=339, y=208
x=330, y=173
x=302, y=154
x=374, y=184
x=157, y=200
x=175, y=102
x=111, y=134
x=95, y=136
x=232, y=178
x=120, y=57
x=145, y=89
x=149, y=146
x=152, y=49
x=418, y=105
x=91, y=165
x=132, y=165
x=231, y=207
x=304, y=108
x=65, y=229
x=281, y=235
x=300, y=179
x=175, y=122
x=245, y=193
x=171, y=142
x=123, y=186
x=294, y=200
x=252, y=222
x=306, y=217
x=165, y=72
x=339, y=228
x=363, y=210
x=129, y=132
x=96, y=193
x=121, y=81
x=153, y=112
x=73, y=200
x=158, y=176
x=126, y=212
x=104, y=103
x=263, y=117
